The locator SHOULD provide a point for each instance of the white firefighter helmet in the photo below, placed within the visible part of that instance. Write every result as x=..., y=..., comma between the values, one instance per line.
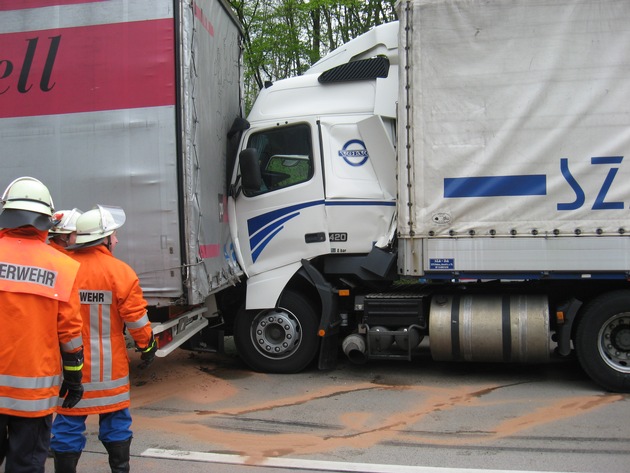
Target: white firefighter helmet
x=26, y=201
x=98, y=223
x=65, y=221
x=28, y=193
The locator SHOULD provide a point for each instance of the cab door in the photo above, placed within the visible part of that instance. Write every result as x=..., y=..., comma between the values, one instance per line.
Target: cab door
x=284, y=219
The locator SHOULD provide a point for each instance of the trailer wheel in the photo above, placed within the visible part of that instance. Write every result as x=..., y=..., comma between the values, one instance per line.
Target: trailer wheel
x=602, y=341
x=279, y=340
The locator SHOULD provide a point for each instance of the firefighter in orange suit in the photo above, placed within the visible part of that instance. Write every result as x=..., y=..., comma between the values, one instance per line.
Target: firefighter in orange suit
x=63, y=232
x=41, y=327
x=111, y=298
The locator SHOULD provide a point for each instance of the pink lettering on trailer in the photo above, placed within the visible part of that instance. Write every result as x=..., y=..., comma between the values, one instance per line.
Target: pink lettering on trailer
x=88, y=68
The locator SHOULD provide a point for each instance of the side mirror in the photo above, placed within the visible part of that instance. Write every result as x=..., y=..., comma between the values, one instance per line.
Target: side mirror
x=251, y=177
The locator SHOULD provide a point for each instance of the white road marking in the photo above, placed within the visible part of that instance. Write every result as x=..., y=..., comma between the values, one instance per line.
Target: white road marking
x=303, y=464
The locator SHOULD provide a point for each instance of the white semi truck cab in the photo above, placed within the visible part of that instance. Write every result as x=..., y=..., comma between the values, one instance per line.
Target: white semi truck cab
x=320, y=191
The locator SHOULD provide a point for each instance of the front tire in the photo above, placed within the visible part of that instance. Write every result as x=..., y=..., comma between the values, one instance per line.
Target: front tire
x=602, y=340
x=279, y=340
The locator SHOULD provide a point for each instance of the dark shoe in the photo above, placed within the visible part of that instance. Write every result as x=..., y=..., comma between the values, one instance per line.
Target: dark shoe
x=66, y=462
x=118, y=455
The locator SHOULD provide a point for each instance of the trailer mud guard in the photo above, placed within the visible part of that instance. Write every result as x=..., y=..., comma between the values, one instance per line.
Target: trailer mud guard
x=328, y=328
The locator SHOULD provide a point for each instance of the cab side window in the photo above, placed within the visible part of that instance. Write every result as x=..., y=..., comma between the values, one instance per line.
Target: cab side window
x=284, y=156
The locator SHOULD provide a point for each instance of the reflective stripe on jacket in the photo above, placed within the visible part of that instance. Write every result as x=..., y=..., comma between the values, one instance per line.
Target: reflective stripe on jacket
x=111, y=297
x=39, y=314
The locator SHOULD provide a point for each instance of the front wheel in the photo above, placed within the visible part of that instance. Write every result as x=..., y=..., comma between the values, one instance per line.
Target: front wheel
x=602, y=341
x=279, y=340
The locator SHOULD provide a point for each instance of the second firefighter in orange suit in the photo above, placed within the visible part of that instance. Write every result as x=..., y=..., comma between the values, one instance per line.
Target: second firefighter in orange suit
x=111, y=298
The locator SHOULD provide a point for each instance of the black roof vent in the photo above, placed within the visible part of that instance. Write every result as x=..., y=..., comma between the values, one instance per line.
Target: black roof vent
x=364, y=69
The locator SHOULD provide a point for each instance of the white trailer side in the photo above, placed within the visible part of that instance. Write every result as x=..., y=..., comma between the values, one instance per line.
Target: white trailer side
x=515, y=155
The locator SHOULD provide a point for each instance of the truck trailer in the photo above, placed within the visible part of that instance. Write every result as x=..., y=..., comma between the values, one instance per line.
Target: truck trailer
x=459, y=177
x=129, y=103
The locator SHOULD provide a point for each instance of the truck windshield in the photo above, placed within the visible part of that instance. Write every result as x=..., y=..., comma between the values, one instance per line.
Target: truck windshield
x=284, y=155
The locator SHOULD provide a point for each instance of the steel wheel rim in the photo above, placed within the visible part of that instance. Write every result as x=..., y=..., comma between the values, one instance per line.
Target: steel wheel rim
x=614, y=342
x=276, y=334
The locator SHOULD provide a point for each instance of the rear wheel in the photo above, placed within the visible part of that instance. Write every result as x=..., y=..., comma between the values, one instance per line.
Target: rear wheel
x=279, y=340
x=602, y=340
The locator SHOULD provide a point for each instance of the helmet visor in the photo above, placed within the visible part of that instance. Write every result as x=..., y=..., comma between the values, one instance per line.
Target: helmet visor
x=112, y=217
x=65, y=221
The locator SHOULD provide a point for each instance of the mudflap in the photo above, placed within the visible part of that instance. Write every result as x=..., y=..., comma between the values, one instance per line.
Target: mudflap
x=329, y=347
x=329, y=322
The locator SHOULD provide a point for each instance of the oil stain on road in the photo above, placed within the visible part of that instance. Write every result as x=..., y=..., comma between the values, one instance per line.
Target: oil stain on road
x=255, y=415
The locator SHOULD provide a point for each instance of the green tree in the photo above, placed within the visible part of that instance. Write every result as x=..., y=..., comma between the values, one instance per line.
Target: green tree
x=283, y=38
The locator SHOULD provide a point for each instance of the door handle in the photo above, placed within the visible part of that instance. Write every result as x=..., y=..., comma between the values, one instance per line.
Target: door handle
x=315, y=237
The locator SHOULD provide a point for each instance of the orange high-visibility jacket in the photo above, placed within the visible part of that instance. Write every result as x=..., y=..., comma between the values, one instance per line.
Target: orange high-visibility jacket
x=39, y=316
x=58, y=247
x=111, y=298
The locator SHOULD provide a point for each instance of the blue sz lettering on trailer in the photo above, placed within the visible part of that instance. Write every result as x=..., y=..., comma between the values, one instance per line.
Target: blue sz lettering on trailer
x=580, y=196
x=535, y=185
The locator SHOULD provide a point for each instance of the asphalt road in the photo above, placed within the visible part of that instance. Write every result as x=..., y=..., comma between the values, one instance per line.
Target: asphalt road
x=208, y=412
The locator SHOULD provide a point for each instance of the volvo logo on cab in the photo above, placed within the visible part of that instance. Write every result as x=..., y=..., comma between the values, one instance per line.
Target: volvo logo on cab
x=354, y=153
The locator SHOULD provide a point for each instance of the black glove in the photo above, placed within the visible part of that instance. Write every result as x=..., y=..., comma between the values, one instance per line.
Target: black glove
x=147, y=354
x=71, y=388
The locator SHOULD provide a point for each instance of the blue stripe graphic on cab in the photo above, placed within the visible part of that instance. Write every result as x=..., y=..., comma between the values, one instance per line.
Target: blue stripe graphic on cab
x=495, y=186
x=263, y=228
x=256, y=252
x=351, y=203
x=255, y=239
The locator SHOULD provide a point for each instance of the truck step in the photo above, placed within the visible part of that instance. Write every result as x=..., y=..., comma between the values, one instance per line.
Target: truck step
x=396, y=309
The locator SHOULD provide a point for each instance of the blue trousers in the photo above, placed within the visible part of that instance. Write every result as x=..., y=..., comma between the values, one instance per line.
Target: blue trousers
x=68, y=432
x=24, y=442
